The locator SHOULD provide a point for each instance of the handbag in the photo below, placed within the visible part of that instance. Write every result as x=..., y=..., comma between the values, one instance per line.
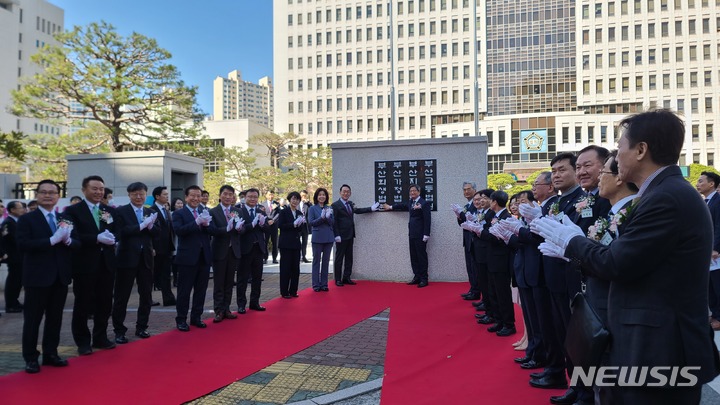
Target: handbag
x=587, y=338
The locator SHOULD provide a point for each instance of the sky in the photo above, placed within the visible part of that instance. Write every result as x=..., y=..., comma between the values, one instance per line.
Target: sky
x=206, y=38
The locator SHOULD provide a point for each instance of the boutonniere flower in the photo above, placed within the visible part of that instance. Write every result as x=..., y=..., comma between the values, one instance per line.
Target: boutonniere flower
x=585, y=202
x=480, y=217
x=554, y=208
x=5, y=230
x=494, y=221
x=106, y=217
x=598, y=229
x=233, y=214
x=620, y=217
x=417, y=206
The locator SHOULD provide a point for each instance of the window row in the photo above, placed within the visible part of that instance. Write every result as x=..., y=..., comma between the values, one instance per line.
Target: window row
x=640, y=56
x=443, y=97
x=367, y=11
x=649, y=29
x=650, y=82
x=360, y=125
x=638, y=8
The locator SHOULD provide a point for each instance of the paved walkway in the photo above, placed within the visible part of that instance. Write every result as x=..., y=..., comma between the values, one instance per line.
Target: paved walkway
x=346, y=368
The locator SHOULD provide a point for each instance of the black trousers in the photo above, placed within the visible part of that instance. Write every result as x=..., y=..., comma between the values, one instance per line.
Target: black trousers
x=161, y=272
x=713, y=296
x=39, y=302
x=93, y=296
x=500, y=292
x=289, y=271
x=481, y=270
x=472, y=273
x=124, y=280
x=343, y=262
x=304, y=233
x=559, y=318
x=251, y=266
x=223, y=281
x=536, y=347
x=271, y=236
x=13, y=284
x=192, y=279
x=419, y=259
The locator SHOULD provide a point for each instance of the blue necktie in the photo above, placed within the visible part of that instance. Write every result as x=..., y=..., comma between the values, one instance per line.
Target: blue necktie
x=51, y=222
x=139, y=215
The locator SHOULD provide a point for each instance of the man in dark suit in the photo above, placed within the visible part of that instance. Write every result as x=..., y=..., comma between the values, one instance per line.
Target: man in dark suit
x=46, y=245
x=136, y=230
x=656, y=253
x=499, y=270
x=13, y=258
x=193, y=226
x=254, y=249
x=479, y=252
x=93, y=267
x=344, y=229
x=304, y=207
x=460, y=212
x=271, y=209
x=164, y=245
x=226, y=250
x=707, y=185
x=418, y=233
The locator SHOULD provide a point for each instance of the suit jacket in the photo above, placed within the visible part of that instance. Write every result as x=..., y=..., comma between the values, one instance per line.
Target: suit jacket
x=8, y=230
x=305, y=228
x=557, y=278
x=43, y=263
x=344, y=225
x=498, y=252
x=253, y=234
x=467, y=235
x=714, y=207
x=193, y=239
x=481, y=247
x=656, y=257
x=223, y=241
x=322, y=228
x=533, y=266
x=164, y=242
x=134, y=243
x=419, y=222
x=87, y=259
x=289, y=235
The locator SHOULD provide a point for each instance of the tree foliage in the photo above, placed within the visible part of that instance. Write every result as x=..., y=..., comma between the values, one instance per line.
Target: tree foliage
x=308, y=169
x=123, y=83
x=276, y=145
x=12, y=145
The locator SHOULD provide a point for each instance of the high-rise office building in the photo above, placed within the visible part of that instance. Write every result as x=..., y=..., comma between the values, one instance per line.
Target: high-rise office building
x=234, y=98
x=25, y=27
x=553, y=75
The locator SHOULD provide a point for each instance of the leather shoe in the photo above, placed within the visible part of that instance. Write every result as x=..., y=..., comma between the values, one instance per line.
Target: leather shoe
x=13, y=310
x=143, y=334
x=155, y=304
x=348, y=281
x=296, y=295
x=84, y=350
x=198, y=324
x=316, y=289
x=257, y=308
x=325, y=289
x=339, y=283
x=183, y=327
x=275, y=261
x=486, y=320
x=531, y=365
x=506, y=331
x=241, y=311
x=471, y=297
x=480, y=316
x=549, y=382
x=218, y=317
x=479, y=303
x=121, y=339
x=32, y=367
x=229, y=315
x=287, y=297
x=538, y=375
x=568, y=397
x=413, y=282
x=106, y=344
x=481, y=307
x=521, y=360
x=423, y=284
x=54, y=360
x=169, y=303
x=495, y=328
x=304, y=260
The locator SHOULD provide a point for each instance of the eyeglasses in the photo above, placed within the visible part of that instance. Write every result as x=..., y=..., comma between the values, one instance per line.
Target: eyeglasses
x=541, y=184
x=46, y=192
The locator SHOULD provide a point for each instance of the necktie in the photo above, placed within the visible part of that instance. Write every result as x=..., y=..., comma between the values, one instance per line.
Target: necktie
x=227, y=213
x=51, y=222
x=252, y=213
x=195, y=213
x=347, y=207
x=706, y=200
x=96, y=215
x=139, y=214
x=165, y=213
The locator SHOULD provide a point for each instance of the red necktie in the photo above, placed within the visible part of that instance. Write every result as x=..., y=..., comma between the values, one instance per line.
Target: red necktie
x=195, y=213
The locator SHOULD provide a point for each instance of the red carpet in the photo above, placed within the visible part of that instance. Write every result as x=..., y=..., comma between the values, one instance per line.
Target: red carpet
x=436, y=353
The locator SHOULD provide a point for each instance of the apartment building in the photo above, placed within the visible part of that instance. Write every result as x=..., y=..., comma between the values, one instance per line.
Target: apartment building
x=234, y=98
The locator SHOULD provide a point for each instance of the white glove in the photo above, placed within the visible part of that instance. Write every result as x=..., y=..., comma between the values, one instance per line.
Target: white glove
x=255, y=220
x=154, y=218
x=58, y=236
x=231, y=224
x=297, y=222
x=303, y=220
x=426, y=238
x=513, y=225
x=146, y=222
x=550, y=249
x=467, y=225
x=323, y=213
x=67, y=240
x=495, y=230
x=457, y=209
x=337, y=239
x=560, y=233
x=469, y=216
x=106, y=238
x=530, y=211
x=329, y=213
x=375, y=206
x=261, y=220
x=239, y=223
x=199, y=220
